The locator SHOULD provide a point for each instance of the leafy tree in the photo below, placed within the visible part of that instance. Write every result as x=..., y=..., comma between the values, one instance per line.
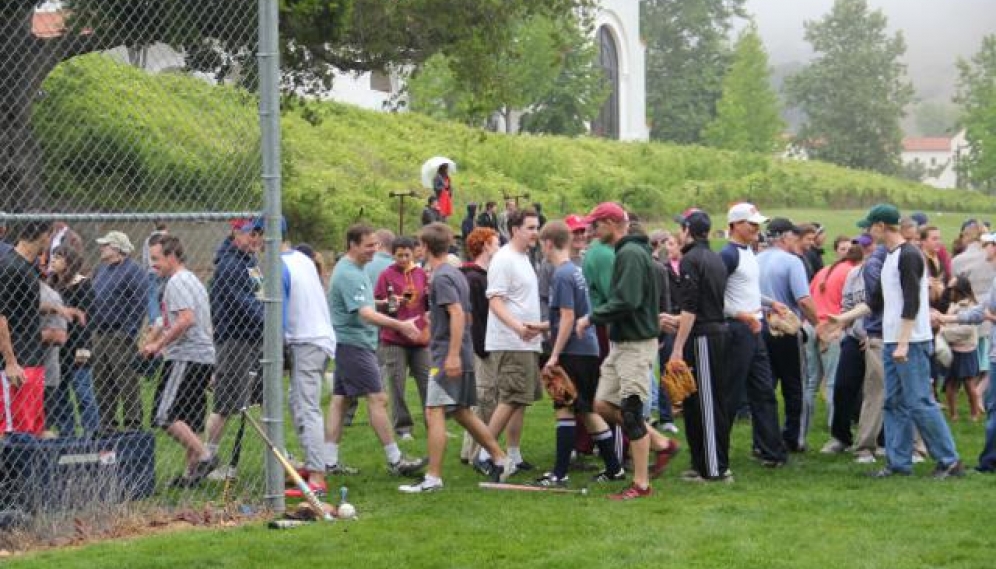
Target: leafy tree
x=977, y=96
x=547, y=68
x=747, y=115
x=219, y=36
x=687, y=57
x=854, y=92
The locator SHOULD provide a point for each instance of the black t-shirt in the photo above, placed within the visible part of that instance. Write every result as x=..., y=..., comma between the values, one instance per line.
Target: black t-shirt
x=20, y=297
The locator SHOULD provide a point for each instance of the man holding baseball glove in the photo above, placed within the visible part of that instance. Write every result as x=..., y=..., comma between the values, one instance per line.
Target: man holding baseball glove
x=571, y=373
x=701, y=343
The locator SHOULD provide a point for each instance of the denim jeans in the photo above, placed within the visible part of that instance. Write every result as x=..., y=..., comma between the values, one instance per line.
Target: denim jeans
x=987, y=458
x=909, y=402
x=819, y=366
x=80, y=381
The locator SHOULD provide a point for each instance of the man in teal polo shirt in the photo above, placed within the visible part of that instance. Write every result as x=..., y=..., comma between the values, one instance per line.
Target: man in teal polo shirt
x=357, y=374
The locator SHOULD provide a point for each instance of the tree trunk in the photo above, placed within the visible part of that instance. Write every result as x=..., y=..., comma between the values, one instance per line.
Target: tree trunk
x=21, y=75
x=27, y=61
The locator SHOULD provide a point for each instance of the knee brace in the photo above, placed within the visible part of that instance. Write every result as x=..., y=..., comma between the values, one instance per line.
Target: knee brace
x=632, y=413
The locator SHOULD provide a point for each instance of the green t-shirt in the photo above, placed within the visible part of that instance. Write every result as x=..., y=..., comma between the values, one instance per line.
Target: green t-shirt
x=598, y=260
x=350, y=291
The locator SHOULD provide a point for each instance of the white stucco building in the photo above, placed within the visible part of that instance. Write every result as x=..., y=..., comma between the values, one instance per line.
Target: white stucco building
x=622, y=54
x=938, y=155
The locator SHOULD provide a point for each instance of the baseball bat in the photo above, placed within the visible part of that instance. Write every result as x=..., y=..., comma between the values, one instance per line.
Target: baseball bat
x=528, y=488
x=234, y=462
x=309, y=496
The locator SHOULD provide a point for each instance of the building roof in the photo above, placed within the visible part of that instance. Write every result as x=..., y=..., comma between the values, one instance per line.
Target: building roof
x=927, y=144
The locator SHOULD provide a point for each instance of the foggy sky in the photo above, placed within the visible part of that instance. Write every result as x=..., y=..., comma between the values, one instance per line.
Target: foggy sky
x=937, y=32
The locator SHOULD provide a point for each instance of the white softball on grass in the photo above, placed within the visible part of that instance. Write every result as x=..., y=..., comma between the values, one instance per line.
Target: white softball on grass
x=347, y=511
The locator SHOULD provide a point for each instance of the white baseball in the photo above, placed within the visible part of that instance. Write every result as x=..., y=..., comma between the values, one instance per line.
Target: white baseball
x=347, y=511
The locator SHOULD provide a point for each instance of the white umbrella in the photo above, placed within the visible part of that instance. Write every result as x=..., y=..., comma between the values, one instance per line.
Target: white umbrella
x=430, y=168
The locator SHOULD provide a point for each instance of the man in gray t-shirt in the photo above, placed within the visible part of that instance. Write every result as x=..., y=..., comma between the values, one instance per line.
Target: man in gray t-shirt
x=183, y=335
x=452, y=390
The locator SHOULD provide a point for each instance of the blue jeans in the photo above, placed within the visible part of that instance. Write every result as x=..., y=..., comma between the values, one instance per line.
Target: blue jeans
x=80, y=380
x=908, y=402
x=987, y=458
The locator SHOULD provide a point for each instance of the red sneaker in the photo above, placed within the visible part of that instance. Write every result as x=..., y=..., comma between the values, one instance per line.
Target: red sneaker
x=632, y=493
x=316, y=489
x=663, y=458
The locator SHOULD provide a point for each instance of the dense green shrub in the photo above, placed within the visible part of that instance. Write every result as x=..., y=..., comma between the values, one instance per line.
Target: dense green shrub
x=180, y=142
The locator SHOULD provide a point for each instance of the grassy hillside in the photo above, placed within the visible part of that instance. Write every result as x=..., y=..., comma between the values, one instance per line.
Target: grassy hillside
x=177, y=142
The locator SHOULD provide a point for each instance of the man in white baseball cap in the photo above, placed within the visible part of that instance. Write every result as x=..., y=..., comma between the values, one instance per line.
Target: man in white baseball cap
x=744, y=211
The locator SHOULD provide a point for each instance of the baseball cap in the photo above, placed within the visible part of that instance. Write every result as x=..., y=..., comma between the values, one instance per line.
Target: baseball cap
x=864, y=240
x=919, y=217
x=259, y=224
x=575, y=222
x=697, y=222
x=606, y=210
x=780, y=225
x=680, y=218
x=118, y=240
x=988, y=238
x=881, y=213
x=745, y=212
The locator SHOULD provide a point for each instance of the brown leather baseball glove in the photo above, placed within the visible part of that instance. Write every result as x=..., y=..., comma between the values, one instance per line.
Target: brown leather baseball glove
x=678, y=381
x=559, y=386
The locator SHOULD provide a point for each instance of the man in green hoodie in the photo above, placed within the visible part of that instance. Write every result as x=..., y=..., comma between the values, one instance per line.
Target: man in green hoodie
x=630, y=311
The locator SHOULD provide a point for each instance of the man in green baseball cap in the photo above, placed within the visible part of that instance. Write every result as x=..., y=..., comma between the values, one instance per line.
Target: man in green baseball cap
x=881, y=213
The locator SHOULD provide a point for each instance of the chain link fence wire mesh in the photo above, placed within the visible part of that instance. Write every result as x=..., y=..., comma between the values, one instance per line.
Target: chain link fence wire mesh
x=130, y=268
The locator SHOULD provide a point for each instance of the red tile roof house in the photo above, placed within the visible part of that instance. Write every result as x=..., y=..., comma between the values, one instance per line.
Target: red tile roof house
x=938, y=154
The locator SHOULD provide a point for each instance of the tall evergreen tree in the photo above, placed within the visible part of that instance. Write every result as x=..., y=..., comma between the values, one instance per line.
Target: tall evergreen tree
x=747, y=114
x=855, y=91
x=977, y=95
x=687, y=56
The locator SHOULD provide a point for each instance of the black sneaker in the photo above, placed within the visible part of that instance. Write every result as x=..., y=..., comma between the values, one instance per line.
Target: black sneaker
x=550, y=480
x=524, y=467
x=500, y=472
x=483, y=467
x=203, y=468
x=954, y=470
x=406, y=466
x=606, y=476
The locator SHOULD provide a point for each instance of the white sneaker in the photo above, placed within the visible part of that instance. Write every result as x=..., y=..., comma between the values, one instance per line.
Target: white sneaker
x=918, y=458
x=833, y=446
x=422, y=487
x=406, y=437
x=670, y=428
x=222, y=473
x=864, y=457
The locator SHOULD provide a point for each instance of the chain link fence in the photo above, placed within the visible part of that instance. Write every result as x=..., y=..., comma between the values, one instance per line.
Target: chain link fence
x=131, y=266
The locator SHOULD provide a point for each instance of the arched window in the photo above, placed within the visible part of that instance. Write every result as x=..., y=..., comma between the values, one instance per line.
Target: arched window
x=607, y=123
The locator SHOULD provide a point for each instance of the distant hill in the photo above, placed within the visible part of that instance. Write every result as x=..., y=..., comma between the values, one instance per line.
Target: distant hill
x=185, y=144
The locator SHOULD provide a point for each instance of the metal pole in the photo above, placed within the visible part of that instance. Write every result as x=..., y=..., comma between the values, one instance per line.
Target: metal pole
x=273, y=358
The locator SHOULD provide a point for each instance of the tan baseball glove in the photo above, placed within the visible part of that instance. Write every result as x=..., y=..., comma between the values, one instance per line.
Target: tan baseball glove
x=678, y=381
x=559, y=386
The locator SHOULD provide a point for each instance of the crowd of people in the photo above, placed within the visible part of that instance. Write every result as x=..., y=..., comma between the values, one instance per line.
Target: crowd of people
x=891, y=321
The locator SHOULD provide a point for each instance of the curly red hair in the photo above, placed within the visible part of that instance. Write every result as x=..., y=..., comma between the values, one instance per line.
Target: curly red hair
x=477, y=239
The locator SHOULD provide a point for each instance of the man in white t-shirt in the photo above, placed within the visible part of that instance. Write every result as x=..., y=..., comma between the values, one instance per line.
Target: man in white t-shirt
x=513, y=300
x=310, y=341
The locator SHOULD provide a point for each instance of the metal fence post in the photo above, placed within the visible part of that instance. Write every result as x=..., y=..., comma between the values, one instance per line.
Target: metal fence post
x=269, y=118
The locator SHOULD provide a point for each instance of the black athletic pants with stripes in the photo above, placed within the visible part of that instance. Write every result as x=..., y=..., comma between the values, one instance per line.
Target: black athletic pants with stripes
x=706, y=411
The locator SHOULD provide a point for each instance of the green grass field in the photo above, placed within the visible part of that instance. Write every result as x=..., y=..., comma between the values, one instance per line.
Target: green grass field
x=818, y=511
